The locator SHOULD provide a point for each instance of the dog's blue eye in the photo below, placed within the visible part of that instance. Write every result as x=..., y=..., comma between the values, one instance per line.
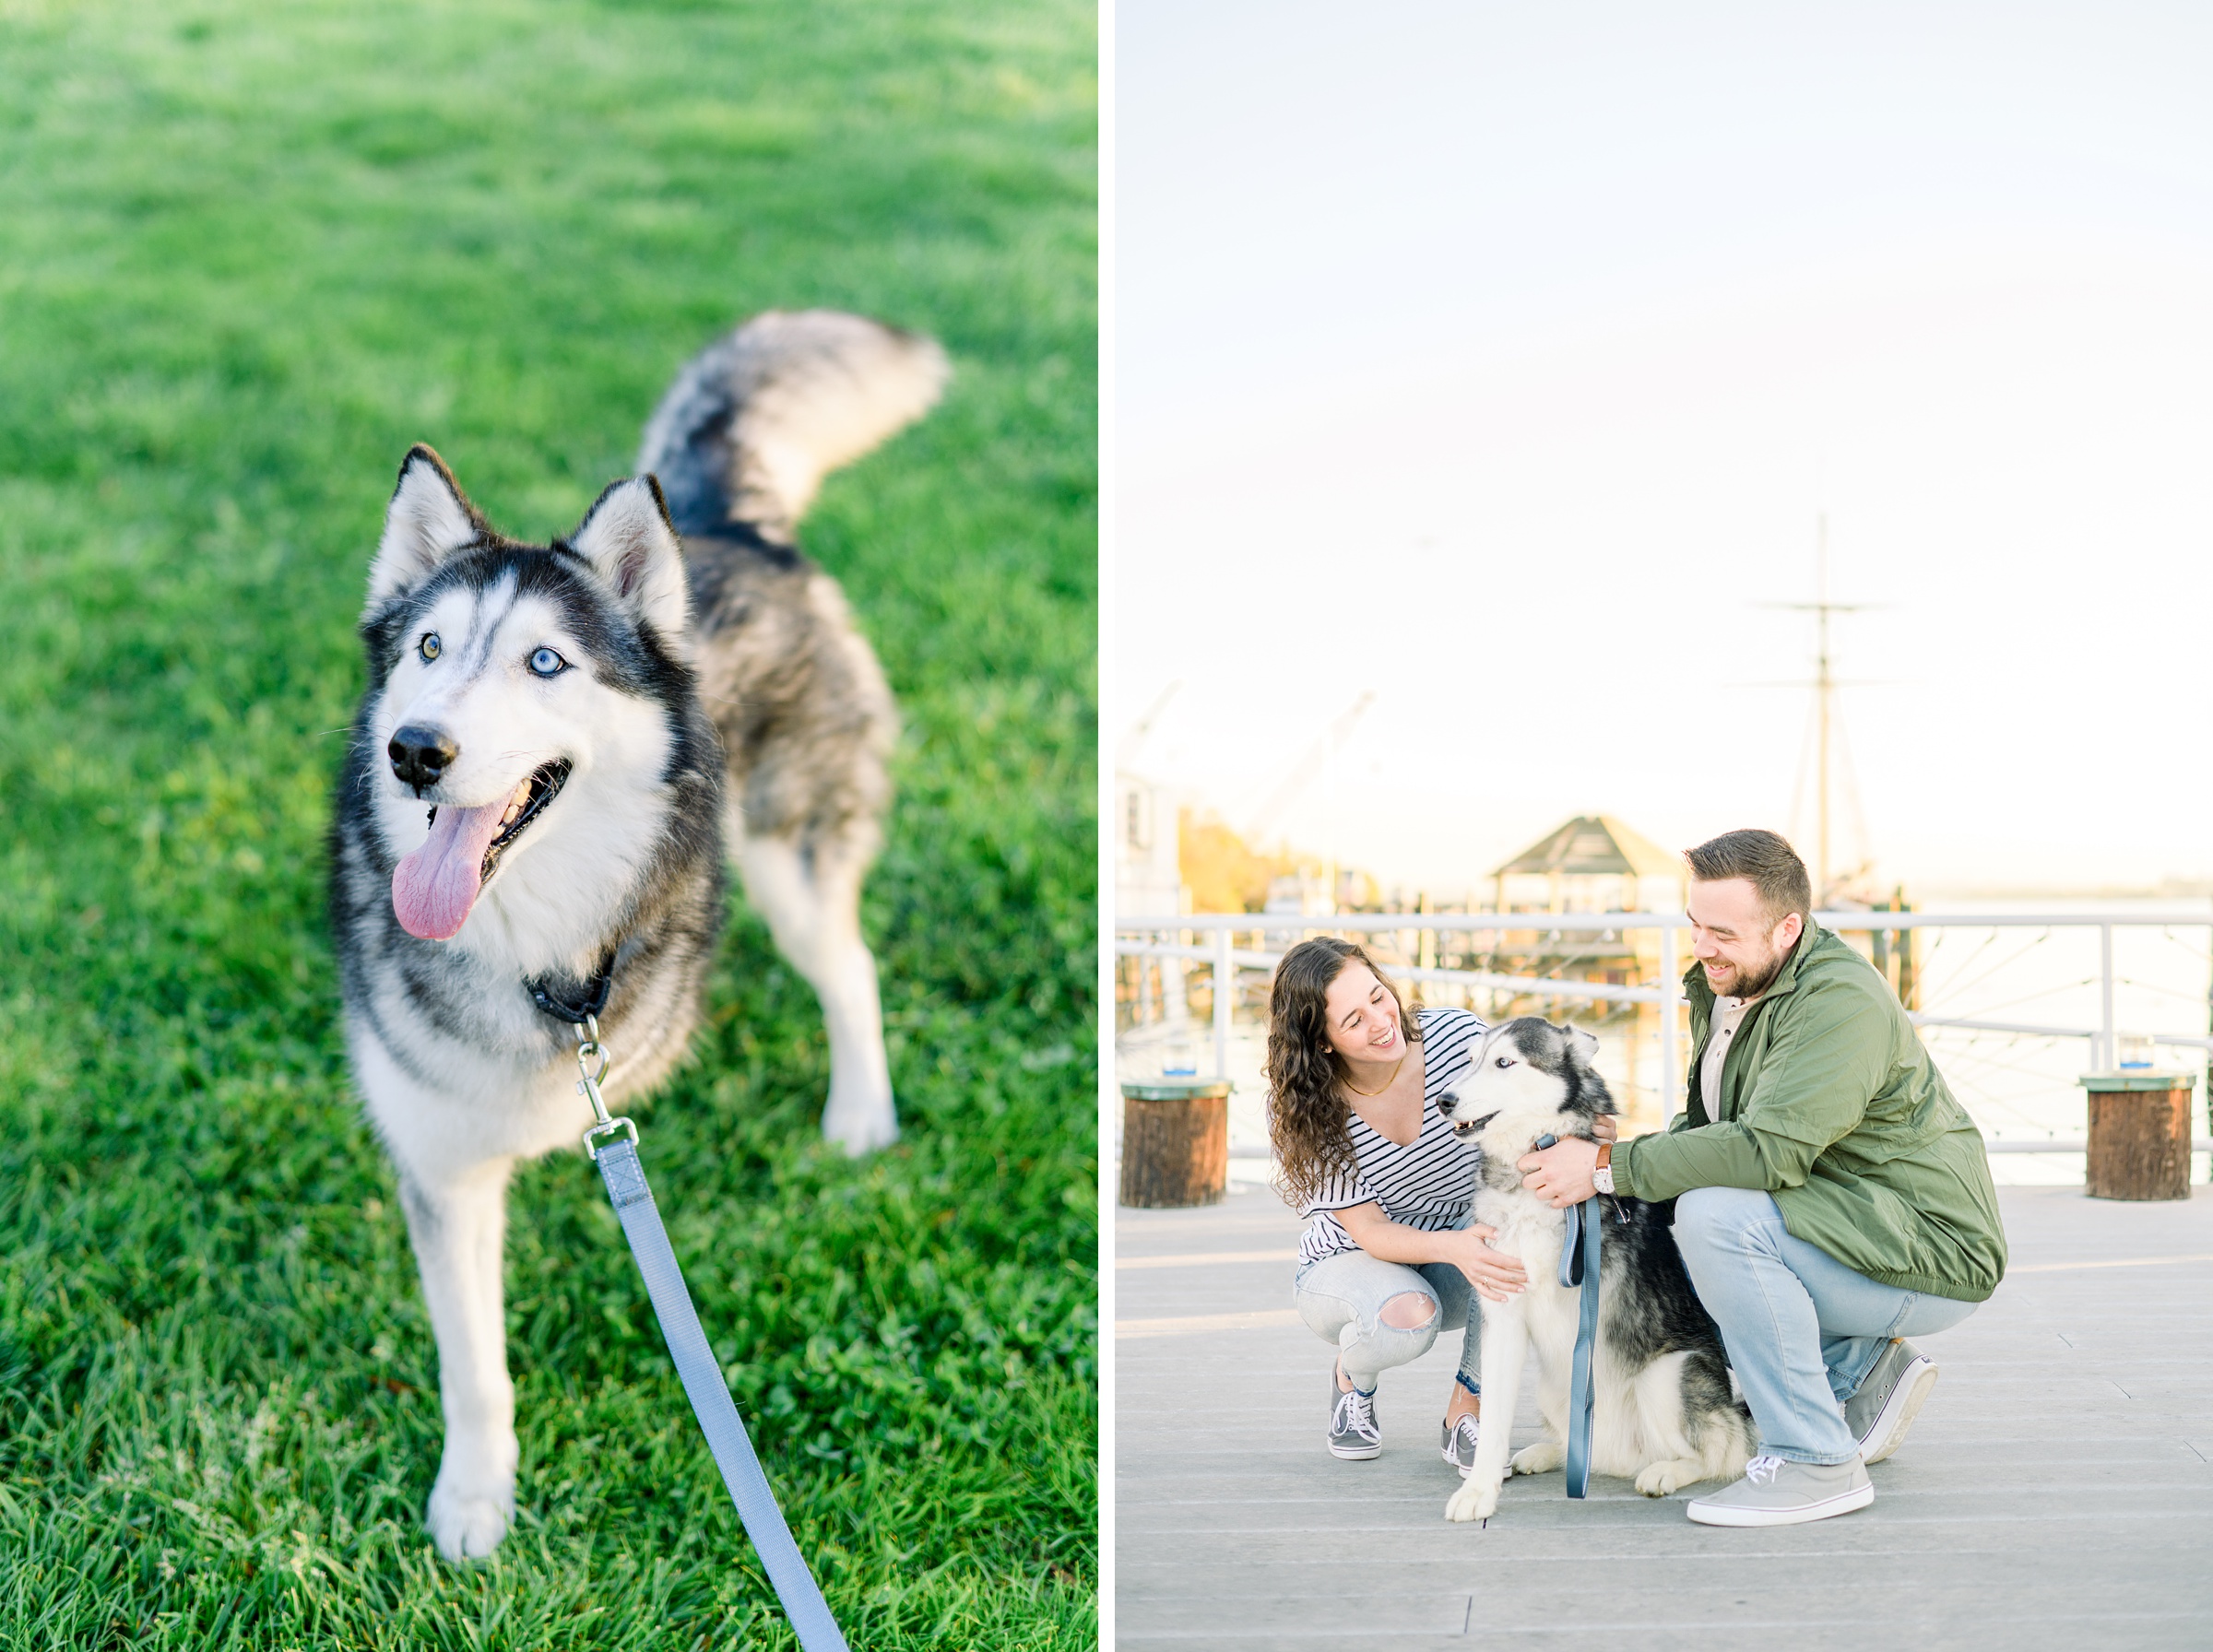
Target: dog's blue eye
x=1506, y=1061
x=428, y=648
x=546, y=663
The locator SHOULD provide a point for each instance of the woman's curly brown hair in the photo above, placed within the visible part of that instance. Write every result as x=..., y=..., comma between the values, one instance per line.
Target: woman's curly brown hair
x=1307, y=1111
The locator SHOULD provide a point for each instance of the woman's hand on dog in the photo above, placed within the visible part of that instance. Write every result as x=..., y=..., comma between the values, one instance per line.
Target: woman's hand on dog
x=1495, y=1275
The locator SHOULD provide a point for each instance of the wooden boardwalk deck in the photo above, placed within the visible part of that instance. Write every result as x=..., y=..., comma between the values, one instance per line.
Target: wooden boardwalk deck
x=2056, y=1491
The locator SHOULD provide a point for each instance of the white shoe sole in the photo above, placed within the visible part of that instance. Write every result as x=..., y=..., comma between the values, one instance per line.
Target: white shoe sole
x=1897, y=1416
x=1355, y=1454
x=1723, y=1514
x=1462, y=1469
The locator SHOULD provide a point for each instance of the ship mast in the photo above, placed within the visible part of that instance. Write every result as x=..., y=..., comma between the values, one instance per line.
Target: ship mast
x=1828, y=728
x=1825, y=687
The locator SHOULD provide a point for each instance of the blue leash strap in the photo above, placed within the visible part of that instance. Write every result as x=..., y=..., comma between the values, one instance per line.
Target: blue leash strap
x=1580, y=1245
x=695, y=1365
x=711, y=1402
x=1579, y=1266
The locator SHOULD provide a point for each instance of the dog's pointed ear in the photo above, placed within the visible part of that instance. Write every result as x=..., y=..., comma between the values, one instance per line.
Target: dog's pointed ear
x=429, y=519
x=630, y=542
x=1582, y=1048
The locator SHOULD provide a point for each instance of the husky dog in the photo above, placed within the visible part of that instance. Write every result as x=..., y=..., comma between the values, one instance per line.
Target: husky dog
x=557, y=746
x=1664, y=1413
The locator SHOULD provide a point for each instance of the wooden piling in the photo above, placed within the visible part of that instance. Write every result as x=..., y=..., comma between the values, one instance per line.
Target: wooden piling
x=2139, y=1138
x=1175, y=1143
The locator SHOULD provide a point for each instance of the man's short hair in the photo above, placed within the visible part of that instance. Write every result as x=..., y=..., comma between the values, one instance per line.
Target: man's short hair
x=1768, y=860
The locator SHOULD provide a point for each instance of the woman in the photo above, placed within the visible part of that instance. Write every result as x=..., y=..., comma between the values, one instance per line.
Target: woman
x=1388, y=1260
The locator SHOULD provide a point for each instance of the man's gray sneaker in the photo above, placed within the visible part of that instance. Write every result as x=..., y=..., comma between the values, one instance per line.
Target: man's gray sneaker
x=1777, y=1491
x=1885, y=1404
x=1460, y=1442
x=1354, y=1432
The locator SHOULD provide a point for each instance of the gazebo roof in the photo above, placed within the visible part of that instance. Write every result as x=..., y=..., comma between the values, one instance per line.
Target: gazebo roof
x=1594, y=846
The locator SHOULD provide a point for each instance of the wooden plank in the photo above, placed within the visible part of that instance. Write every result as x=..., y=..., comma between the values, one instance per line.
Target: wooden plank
x=2057, y=1490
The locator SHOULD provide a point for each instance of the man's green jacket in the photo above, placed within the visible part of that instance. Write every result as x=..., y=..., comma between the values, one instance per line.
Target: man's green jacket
x=1830, y=1102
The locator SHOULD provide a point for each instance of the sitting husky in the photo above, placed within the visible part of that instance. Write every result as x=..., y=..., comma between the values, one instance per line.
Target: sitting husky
x=1664, y=1413
x=533, y=812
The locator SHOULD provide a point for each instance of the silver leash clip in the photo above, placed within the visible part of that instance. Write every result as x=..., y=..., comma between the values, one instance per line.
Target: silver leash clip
x=588, y=1050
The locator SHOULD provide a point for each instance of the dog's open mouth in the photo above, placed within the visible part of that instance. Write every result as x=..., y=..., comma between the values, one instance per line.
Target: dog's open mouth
x=529, y=802
x=434, y=888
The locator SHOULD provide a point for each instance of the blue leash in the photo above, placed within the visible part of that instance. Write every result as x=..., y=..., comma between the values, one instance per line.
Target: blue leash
x=1579, y=1266
x=695, y=1362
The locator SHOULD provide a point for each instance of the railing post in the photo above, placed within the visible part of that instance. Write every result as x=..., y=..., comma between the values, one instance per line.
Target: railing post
x=1670, y=1090
x=1226, y=992
x=2107, y=1055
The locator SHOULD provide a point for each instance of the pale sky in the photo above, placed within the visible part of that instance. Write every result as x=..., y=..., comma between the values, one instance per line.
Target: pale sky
x=1500, y=358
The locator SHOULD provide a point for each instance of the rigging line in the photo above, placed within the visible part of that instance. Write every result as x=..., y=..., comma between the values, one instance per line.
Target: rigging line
x=1999, y=1104
x=1970, y=1061
x=1991, y=1064
x=1969, y=962
x=2195, y=951
x=1851, y=790
x=2022, y=1107
x=1808, y=744
x=1956, y=985
x=1986, y=1064
x=2172, y=991
x=1966, y=1050
x=2042, y=992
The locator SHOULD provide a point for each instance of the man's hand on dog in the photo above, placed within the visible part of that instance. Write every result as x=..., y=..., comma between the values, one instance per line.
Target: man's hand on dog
x=1561, y=1174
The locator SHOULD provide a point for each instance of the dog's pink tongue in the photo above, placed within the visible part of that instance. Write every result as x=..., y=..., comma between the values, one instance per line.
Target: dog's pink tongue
x=433, y=888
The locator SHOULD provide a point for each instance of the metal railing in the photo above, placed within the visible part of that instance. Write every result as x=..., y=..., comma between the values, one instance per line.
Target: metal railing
x=1151, y=937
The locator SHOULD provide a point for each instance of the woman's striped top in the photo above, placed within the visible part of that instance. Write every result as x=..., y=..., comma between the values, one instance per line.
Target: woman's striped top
x=1429, y=1184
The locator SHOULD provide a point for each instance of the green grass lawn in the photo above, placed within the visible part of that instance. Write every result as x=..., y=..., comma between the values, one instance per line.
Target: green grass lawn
x=248, y=254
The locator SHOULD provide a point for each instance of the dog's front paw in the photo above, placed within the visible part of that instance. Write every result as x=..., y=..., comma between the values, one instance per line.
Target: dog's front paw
x=860, y=1126
x=466, y=1526
x=1541, y=1458
x=1661, y=1479
x=1473, y=1501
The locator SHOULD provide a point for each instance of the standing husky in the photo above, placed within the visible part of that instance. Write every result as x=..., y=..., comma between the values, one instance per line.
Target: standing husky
x=1664, y=1412
x=534, y=809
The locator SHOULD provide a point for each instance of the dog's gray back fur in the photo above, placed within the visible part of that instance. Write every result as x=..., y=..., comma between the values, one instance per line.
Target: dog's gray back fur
x=739, y=442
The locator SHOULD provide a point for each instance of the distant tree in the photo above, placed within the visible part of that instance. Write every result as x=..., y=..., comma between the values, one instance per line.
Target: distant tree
x=1223, y=872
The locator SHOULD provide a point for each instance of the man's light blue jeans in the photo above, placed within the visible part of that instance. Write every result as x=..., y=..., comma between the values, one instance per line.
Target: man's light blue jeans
x=1803, y=1330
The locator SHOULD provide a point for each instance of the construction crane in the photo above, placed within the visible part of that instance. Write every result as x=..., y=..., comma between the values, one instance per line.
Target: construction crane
x=1311, y=764
x=1133, y=742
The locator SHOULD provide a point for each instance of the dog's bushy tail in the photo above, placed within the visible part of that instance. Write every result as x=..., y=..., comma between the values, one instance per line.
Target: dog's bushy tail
x=757, y=419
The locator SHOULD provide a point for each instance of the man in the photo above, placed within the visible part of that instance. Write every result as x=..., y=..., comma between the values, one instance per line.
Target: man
x=1831, y=1197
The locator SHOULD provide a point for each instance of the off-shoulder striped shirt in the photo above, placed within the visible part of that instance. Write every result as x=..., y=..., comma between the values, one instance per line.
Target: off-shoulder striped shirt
x=1430, y=1183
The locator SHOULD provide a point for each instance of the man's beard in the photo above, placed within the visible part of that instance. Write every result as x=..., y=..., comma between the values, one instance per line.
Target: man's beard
x=1750, y=985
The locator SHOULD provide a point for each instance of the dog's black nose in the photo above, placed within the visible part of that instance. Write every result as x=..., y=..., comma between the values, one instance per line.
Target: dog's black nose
x=419, y=755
